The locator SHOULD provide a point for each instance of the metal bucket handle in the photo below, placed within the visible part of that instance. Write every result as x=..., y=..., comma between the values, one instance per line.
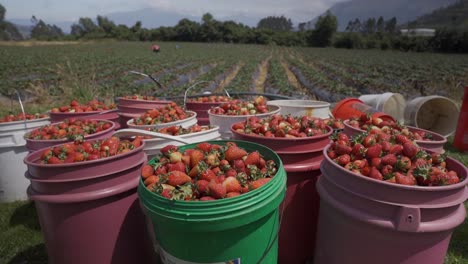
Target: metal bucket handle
x=139, y=132
x=149, y=76
x=195, y=84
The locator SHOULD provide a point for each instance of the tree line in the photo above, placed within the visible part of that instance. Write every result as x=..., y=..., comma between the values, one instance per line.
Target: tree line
x=371, y=33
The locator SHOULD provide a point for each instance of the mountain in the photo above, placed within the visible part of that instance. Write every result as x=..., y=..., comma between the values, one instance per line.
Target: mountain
x=455, y=16
x=403, y=10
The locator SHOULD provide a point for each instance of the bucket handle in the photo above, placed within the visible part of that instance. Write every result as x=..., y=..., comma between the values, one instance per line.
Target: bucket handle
x=195, y=84
x=139, y=132
x=407, y=219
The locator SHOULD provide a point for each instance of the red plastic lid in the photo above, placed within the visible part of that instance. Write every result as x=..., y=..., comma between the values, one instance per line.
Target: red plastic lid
x=342, y=107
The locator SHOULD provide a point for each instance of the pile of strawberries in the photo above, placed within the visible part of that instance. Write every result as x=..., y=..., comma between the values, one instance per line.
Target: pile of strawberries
x=238, y=107
x=336, y=124
x=88, y=150
x=391, y=158
x=19, y=117
x=76, y=107
x=179, y=130
x=207, y=172
x=141, y=97
x=70, y=128
x=169, y=113
x=367, y=123
x=284, y=126
x=211, y=99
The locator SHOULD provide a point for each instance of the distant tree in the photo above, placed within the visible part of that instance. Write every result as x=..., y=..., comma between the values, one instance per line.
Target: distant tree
x=87, y=25
x=325, y=28
x=76, y=30
x=43, y=31
x=105, y=24
x=275, y=23
x=369, y=26
x=302, y=26
x=137, y=27
x=390, y=25
x=354, y=25
x=210, y=29
x=380, y=25
x=187, y=30
x=2, y=13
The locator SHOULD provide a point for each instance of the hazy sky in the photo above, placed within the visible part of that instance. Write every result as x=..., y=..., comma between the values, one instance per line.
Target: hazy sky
x=67, y=10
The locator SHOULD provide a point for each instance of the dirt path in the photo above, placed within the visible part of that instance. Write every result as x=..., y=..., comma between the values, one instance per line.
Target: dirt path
x=294, y=81
x=227, y=80
x=262, y=76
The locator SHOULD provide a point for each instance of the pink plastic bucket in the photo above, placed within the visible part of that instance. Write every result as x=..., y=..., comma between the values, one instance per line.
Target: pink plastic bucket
x=110, y=115
x=89, y=211
x=147, y=104
x=436, y=144
x=36, y=144
x=202, y=110
x=363, y=220
x=301, y=159
x=124, y=118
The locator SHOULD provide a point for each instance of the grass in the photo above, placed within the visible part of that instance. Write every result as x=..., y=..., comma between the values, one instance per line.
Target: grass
x=21, y=239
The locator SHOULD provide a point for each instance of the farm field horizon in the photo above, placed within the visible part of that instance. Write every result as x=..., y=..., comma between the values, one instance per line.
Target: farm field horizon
x=52, y=75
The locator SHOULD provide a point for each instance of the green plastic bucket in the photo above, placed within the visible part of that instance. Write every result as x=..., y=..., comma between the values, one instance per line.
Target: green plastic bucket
x=242, y=229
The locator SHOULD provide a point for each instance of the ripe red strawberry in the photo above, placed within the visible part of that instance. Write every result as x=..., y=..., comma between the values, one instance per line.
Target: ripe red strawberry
x=374, y=151
x=232, y=194
x=204, y=146
x=239, y=165
x=343, y=136
x=369, y=140
x=389, y=159
x=234, y=153
x=217, y=190
x=365, y=171
x=258, y=183
x=359, y=164
x=404, y=163
x=147, y=171
x=410, y=149
x=207, y=198
x=166, y=193
x=402, y=139
x=376, y=162
x=176, y=178
x=54, y=160
x=178, y=166
x=186, y=159
x=341, y=149
x=253, y=158
x=343, y=159
x=232, y=184
x=375, y=174
x=207, y=175
x=396, y=149
x=358, y=151
x=331, y=154
x=452, y=177
x=202, y=187
x=231, y=173
x=404, y=179
x=168, y=149
x=195, y=157
x=386, y=146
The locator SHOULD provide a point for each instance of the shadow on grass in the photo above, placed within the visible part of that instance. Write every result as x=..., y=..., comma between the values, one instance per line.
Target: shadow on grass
x=26, y=215
x=33, y=255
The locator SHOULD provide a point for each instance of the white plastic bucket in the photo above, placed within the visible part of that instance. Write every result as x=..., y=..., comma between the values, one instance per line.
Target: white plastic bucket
x=434, y=113
x=13, y=184
x=226, y=121
x=185, y=123
x=389, y=103
x=309, y=108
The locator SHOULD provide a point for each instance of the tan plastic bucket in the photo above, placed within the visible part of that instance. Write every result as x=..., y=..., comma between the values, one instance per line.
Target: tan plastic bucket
x=389, y=103
x=434, y=113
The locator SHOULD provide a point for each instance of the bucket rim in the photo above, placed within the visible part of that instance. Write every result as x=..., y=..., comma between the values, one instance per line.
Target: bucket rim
x=297, y=139
x=130, y=123
x=141, y=100
x=211, y=130
x=299, y=103
x=64, y=140
x=29, y=162
x=19, y=122
x=462, y=183
x=271, y=112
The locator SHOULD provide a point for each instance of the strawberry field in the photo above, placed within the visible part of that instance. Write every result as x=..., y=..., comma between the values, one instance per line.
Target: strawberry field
x=51, y=74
